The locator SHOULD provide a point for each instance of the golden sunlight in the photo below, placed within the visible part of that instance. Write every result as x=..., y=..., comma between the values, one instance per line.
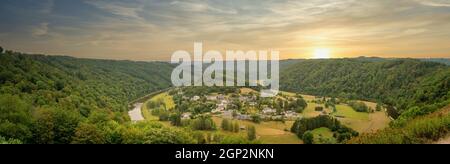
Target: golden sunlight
x=322, y=53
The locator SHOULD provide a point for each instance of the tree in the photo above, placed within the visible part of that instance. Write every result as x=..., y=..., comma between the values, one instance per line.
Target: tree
x=203, y=122
x=256, y=118
x=1, y=49
x=379, y=107
x=15, y=118
x=225, y=124
x=3, y=140
x=88, y=134
x=43, y=127
x=236, y=127
x=319, y=108
x=175, y=119
x=54, y=126
x=308, y=138
x=65, y=124
x=359, y=106
x=251, y=132
x=165, y=115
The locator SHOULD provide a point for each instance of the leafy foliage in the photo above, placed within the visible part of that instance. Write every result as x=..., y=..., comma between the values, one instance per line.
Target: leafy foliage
x=401, y=83
x=341, y=132
x=424, y=129
x=60, y=100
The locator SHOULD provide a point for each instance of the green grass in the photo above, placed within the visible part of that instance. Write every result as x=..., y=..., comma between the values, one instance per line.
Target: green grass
x=270, y=132
x=323, y=133
x=310, y=111
x=348, y=112
x=167, y=99
x=283, y=139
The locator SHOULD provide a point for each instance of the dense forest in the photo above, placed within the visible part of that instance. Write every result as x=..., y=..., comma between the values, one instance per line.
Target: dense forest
x=404, y=84
x=55, y=99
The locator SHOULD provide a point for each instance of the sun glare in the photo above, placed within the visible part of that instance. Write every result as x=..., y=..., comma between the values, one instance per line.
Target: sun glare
x=321, y=53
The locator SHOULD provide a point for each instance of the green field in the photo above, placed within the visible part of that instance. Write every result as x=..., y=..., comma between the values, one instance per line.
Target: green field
x=271, y=132
x=323, y=134
x=348, y=112
x=165, y=97
x=274, y=132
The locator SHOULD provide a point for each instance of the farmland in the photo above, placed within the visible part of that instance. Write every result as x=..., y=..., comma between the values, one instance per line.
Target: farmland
x=273, y=131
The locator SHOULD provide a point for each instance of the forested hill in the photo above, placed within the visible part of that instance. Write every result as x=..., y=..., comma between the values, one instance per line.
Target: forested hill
x=69, y=82
x=404, y=83
x=56, y=99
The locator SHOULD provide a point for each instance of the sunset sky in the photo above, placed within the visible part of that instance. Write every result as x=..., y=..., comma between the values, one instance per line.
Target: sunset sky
x=154, y=29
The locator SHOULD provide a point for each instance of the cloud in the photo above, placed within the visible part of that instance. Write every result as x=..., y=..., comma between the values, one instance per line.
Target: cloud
x=117, y=8
x=201, y=7
x=40, y=30
x=435, y=3
x=146, y=29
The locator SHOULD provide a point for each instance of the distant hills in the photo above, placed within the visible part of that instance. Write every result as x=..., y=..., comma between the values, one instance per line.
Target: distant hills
x=37, y=91
x=403, y=83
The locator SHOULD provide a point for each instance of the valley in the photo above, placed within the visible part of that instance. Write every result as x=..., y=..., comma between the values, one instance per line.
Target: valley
x=66, y=100
x=273, y=128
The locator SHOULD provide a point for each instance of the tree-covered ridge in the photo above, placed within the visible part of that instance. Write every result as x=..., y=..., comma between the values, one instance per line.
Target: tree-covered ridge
x=77, y=83
x=403, y=83
x=55, y=99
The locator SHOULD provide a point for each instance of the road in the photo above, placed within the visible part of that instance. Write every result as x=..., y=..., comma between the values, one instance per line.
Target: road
x=136, y=114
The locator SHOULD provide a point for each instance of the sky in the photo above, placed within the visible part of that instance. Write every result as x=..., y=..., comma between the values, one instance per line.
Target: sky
x=155, y=29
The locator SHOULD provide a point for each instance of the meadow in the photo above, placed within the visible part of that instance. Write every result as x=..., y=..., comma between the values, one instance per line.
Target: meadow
x=276, y=132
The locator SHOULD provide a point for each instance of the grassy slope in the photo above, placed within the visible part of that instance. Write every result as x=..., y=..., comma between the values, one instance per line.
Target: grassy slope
x=424, y=129
x=271, y=132
x=324, y=133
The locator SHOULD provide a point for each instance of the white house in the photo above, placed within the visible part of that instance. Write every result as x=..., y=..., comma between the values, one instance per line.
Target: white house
x=268, y=110
x=211, y=98
x=195, y=98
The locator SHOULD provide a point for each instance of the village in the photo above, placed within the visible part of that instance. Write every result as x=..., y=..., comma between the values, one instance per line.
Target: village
x=225, y=107
x=236, y=111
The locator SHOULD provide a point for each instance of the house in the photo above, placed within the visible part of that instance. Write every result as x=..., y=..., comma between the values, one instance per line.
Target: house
x=243, y=99
x=268, y=111
x=195, y=98
x=243, y=117
x=225, y=102
x=278, y=117
x=211, y=98
x=220, y=97
x=227, y=114
x=291, y=115
x=219, y=109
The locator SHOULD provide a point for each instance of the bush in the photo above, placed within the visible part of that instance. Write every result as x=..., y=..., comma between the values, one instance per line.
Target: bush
x=251, y=133
x=418, y=131
x=359, y=106
x=203, y=122
x=9, y=141
x=301, y=126
x=319, y=108
x=308, y=138
x=256, y=118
